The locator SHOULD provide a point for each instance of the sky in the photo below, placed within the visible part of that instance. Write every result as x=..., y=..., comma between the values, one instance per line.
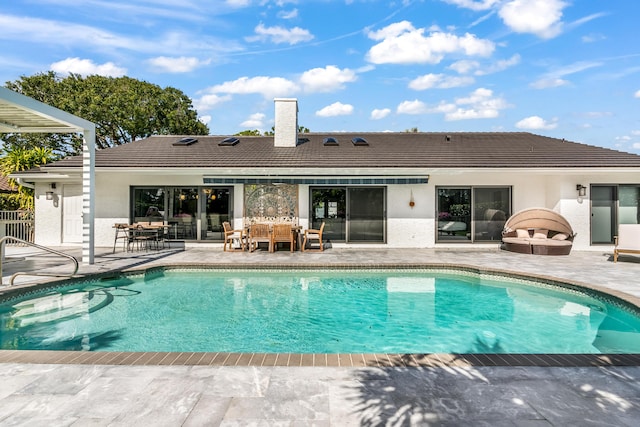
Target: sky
x=560, y=68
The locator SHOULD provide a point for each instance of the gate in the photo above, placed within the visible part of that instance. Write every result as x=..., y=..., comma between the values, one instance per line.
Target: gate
x=18, y=224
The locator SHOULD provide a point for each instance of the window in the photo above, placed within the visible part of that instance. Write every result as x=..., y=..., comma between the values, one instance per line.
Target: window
x=472, y=214
x=186, y=209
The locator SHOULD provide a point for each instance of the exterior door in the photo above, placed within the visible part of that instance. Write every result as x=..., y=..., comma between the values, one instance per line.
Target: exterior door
x=603, y=214
x=350, y=214
x=72, y=214
x=366, y=214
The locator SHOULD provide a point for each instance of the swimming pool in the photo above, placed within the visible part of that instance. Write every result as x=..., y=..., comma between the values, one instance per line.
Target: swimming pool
x=319, y=311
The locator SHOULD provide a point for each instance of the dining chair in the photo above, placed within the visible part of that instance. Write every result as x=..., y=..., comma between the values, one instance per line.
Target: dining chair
x=231, y=237
x=259, y=233
x=283, y=233
x=312, y=234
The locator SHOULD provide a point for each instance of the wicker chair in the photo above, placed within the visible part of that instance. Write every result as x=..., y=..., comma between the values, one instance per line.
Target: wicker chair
x=232, y=236
x=313, y=234
x=259, y=233
x=283, y=233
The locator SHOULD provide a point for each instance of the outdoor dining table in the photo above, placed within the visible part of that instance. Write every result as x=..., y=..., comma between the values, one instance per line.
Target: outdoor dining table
x=295, y=228
x=139, y=234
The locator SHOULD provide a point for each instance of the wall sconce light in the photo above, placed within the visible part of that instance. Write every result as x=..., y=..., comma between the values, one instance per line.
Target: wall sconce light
x=412, y=202
x=49, y=195
x=582, y=190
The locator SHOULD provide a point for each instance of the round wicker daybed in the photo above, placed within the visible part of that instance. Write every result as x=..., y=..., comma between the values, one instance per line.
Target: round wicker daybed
x=538, y=231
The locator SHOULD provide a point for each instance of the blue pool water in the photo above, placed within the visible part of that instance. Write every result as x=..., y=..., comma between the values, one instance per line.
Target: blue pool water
x=317, y=312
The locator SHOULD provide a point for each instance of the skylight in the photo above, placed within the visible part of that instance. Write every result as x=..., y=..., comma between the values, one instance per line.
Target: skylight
x=330, y=141
x=359, y=141
x=232, y=140
x=185, y=141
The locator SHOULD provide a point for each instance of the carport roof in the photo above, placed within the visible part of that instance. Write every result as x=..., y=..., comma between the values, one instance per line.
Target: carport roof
x=21, y=114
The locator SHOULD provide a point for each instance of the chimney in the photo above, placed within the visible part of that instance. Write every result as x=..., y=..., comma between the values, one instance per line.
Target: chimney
x=286, y=128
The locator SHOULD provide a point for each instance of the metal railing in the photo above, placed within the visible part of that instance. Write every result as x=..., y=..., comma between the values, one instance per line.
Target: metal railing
x=44, y=248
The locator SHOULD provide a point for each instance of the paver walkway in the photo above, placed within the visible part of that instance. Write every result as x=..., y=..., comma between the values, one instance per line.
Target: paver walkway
x=82, y=395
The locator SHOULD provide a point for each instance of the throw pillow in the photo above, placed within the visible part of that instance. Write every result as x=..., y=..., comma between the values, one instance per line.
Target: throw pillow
x=540, y=233
x=522, y=233
x=560, y=236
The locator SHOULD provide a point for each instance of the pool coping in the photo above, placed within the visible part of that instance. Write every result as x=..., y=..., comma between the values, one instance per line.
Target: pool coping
x=324, y=360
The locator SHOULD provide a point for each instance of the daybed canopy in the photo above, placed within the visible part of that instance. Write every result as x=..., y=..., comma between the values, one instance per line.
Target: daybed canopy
x=538, y=231
x=538, y=218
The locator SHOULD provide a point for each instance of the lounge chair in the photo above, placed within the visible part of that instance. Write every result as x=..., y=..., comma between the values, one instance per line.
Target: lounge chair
x=313, y=234
x=283, y=233
x=259, y=233
x=235, y=238
x=627, y=241
x=538, y=231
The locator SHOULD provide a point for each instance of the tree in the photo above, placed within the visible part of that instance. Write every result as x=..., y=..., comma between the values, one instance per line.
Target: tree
x=254, y=132
x=123, y=109
x=18, y=159
x=301, y=129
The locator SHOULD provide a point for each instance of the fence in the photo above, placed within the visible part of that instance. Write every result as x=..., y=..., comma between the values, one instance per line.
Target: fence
x=18, y=224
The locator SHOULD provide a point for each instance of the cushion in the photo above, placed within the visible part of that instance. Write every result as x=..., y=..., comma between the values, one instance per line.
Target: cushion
x=522, y=233
x=560, y=236
x=540, y=233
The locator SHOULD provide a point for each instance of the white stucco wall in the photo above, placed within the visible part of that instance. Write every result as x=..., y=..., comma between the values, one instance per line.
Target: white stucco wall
x=48, y=218
x=406, y=226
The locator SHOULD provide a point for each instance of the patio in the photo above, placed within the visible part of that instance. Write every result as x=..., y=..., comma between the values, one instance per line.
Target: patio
x=449, y=394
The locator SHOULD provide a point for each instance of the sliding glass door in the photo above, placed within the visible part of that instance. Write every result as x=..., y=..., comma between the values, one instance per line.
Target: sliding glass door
x=350, y=214
x=612, y=205
x=194, y=213
x=475, y=214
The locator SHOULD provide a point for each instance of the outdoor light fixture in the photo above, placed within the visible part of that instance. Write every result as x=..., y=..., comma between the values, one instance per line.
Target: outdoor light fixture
x=49, y=195
x=582, y=190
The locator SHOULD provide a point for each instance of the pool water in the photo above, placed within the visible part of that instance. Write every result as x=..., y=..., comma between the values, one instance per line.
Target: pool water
x=347, y=311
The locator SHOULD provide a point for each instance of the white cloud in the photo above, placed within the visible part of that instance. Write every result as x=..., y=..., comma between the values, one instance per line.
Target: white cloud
x=238, y=3
x=335, y=109
x=401, y=43
x=464, y=66
x=288, y=15
x=477, y=5
x=269, y=87
x=412, y=107
x=637, y=94
x=326, y=79
x=86, y=67
x=592, y=38
x=210, y=100
x=499, y=65
x=378, y=114
x=539, y=17
x=439, y=81
x=480, y=104
x=280, y=35
x=547, y=83
x=206, y=119
x=181, y=64
x=636, y=146
x=536, y=123
x=255, y=121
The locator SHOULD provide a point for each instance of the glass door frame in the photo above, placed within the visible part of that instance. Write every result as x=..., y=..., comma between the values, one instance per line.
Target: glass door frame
x=343, y=214
x=168, y=210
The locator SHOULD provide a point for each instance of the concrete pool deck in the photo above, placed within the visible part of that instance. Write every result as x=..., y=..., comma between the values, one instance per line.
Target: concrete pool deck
x=117, y=393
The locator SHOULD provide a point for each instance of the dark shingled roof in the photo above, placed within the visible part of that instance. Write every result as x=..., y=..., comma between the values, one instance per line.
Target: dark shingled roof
x=407, y=149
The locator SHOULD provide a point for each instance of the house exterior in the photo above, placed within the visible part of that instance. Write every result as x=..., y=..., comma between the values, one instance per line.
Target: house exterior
x=391, y=190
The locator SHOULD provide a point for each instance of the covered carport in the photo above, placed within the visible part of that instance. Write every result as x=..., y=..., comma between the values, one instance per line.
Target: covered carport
x=22, y=114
